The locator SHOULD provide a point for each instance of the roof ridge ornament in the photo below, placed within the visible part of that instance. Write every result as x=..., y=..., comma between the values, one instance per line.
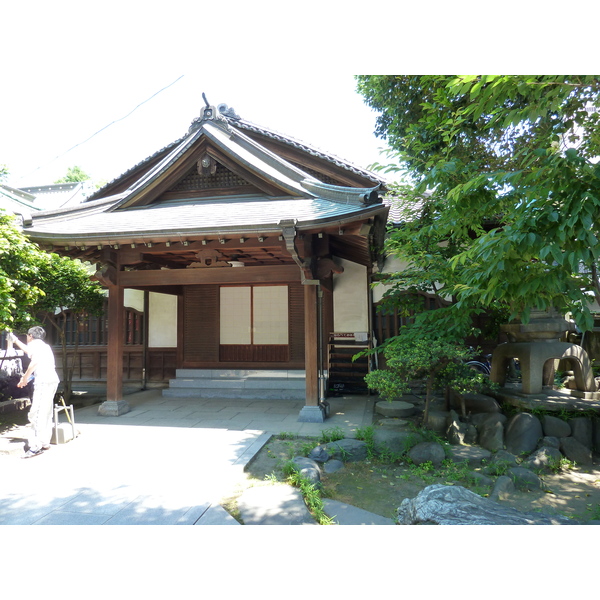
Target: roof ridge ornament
x=207, y=113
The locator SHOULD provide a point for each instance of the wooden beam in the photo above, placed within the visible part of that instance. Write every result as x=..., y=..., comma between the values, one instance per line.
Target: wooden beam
x=208, y=275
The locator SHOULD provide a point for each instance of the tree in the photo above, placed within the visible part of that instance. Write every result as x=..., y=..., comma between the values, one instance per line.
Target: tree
x=74, y=175
x=421, y=353
x=37, y=286
x=19, y=260
x=68, y=291
x=506, y=188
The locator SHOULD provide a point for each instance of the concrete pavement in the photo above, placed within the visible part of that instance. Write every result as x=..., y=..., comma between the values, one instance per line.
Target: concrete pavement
x=167, y=461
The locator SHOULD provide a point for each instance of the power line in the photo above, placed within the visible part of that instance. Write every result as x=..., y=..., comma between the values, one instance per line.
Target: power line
x=103, y=128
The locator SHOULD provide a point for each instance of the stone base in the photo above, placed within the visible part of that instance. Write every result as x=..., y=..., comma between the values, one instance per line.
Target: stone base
x=395, y=408
x=552, y=400
x=311, y=414
x=113, y=408
x=579, y=394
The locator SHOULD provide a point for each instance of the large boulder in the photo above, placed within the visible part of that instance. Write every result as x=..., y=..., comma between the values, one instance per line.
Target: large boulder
x=427, y=452
x=459, y=433
x=524, y=479
x=546, y=457
x=582, y=430
x=491, y=432
x=522, y=433
x=472, y=455
x=474, y=402
x=347, y=450
x=503, y=488
x=575, y=451
x=455, y=505
x=390, y=441
x=555, y=427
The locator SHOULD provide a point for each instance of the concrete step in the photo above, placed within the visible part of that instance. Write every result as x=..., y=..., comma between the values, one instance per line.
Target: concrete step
x=237, y=383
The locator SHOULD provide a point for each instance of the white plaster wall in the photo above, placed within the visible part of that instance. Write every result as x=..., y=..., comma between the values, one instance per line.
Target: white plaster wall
x=134, y=299
x=162, y=320
x=350, y=298
x=162, y=316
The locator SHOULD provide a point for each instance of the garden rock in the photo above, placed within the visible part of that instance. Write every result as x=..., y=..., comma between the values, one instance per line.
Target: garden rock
x=459, y=433
x=456, y=431
x=309, y=469
x=427, y=452
x=479, y=479
x=549, y=441
x=332, y=466
x=543, y=458
x=522, y=433
x=455, y=505
x=596, y=435
x=575, y=451
x=395, y=408
x=491, y=434
x=437, y=421
x=396, y=442
x=503, y=488
x=474, y=403
x=555, y=427
x=581, y=430
x=481, y=419
x=472, y=455
x=524, y=479
x=347, y=450
x=502, y=456
x=319, y=454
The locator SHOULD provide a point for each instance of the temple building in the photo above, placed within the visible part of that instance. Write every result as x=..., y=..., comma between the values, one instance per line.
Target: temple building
x=233, y=259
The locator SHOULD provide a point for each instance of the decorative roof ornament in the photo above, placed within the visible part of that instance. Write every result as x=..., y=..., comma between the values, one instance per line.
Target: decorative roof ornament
x=207, y=113
x=228, y=112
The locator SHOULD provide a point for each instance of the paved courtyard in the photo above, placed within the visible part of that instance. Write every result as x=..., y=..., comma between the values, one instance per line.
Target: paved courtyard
x=167, y=461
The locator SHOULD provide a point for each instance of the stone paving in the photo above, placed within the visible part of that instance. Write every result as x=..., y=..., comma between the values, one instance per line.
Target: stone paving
x=167, y=461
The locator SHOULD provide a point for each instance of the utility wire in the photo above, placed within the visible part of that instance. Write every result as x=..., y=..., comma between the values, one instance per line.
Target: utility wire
x=103, y=128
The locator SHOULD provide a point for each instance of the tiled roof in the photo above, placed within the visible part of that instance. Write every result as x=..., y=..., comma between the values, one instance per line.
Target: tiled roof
x=208, y=217
x=239, y=123
x=58, y=195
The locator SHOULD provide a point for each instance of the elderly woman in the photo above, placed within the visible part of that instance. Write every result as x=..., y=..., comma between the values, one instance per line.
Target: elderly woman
x=45, y=381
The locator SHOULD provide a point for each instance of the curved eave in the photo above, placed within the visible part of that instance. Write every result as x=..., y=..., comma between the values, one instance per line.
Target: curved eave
x=158, y=235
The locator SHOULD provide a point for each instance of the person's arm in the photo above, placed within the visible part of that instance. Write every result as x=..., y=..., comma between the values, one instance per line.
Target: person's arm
x=13, y=338
x=27, y=375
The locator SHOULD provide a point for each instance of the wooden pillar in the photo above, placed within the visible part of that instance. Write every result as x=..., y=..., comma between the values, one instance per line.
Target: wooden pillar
x=312, y=412
x=115, y=405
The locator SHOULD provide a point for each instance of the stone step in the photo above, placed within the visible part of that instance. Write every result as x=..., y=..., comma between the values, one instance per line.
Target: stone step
x=239, y=374
x=235, y=393
x=237, y=383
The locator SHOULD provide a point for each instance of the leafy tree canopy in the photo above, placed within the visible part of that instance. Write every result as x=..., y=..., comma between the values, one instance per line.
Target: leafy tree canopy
x=74, y=175
x=37, y=286
x=19, y=260
x=502, y=210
